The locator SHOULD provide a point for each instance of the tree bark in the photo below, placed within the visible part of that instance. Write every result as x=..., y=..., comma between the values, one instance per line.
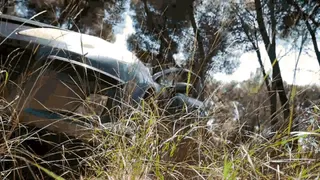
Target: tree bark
x=197, y=33
x=197, y=65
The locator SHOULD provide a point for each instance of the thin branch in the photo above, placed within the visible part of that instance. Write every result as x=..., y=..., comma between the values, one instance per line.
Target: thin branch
x=262, y=27
x=305, y=15
x=314, y=40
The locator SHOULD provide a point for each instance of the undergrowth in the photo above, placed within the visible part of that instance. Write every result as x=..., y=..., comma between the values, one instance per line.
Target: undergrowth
x=146, y=144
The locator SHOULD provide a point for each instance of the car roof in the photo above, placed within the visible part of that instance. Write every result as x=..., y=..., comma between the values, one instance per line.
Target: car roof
x=24, y=21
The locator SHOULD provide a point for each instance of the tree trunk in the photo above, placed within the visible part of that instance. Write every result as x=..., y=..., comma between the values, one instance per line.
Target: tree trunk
x=272, y=97
x=246, y=30
x=200, y=66
x=197, y=64
x=277, y=82
x=197, y=33
x=165, y=56
x=277, y=86
x=267, y=82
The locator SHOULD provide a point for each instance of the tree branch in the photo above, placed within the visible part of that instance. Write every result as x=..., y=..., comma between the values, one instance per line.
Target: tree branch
x=305, y=15
x=262, y=27
x=245, y=28
x=197, y=33
x=165, y=40
x=314, y=40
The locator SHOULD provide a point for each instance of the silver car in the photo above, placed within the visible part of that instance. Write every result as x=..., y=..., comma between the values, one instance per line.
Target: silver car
x=57, y=76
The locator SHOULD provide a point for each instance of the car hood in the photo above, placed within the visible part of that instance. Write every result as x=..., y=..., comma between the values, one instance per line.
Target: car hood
x=97, y=53
x=89, y=46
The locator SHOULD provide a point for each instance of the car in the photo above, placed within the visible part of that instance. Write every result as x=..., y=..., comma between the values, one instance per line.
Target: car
x=54, y=73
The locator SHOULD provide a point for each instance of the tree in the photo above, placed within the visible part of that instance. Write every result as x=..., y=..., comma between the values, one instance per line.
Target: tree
x=210, y=34
x=154, y=33
x=269, y=40
x=198, y=29
x=6, y=6
x=308, y=12
x=247, y=34
x=257, y=21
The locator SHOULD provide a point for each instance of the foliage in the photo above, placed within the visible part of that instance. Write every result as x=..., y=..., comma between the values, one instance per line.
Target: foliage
x=178, y=33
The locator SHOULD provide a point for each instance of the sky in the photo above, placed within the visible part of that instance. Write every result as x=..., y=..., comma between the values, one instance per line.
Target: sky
x=308, y=69
x=307, y=73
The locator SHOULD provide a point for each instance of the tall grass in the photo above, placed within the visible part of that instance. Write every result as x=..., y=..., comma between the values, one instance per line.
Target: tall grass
x=160, y=146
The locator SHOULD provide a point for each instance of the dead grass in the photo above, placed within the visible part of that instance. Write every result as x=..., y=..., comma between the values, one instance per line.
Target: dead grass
x=148, y=144
x=162, y=147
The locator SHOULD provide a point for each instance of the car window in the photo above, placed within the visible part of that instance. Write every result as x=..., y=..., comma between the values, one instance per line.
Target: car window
x=138, y=72
x=89, y=80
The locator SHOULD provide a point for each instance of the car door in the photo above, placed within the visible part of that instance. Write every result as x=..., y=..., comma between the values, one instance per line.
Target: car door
x=57, y=88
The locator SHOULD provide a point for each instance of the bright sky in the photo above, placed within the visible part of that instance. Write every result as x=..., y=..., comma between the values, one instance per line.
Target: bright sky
x=308, y=69
x=125, y=29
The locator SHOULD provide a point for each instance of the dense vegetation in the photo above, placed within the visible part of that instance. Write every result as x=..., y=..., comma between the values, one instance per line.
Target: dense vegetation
x=235, y=140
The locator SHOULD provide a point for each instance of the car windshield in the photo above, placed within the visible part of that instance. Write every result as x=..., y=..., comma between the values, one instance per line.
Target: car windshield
x=127, y=72
x=142, y=73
